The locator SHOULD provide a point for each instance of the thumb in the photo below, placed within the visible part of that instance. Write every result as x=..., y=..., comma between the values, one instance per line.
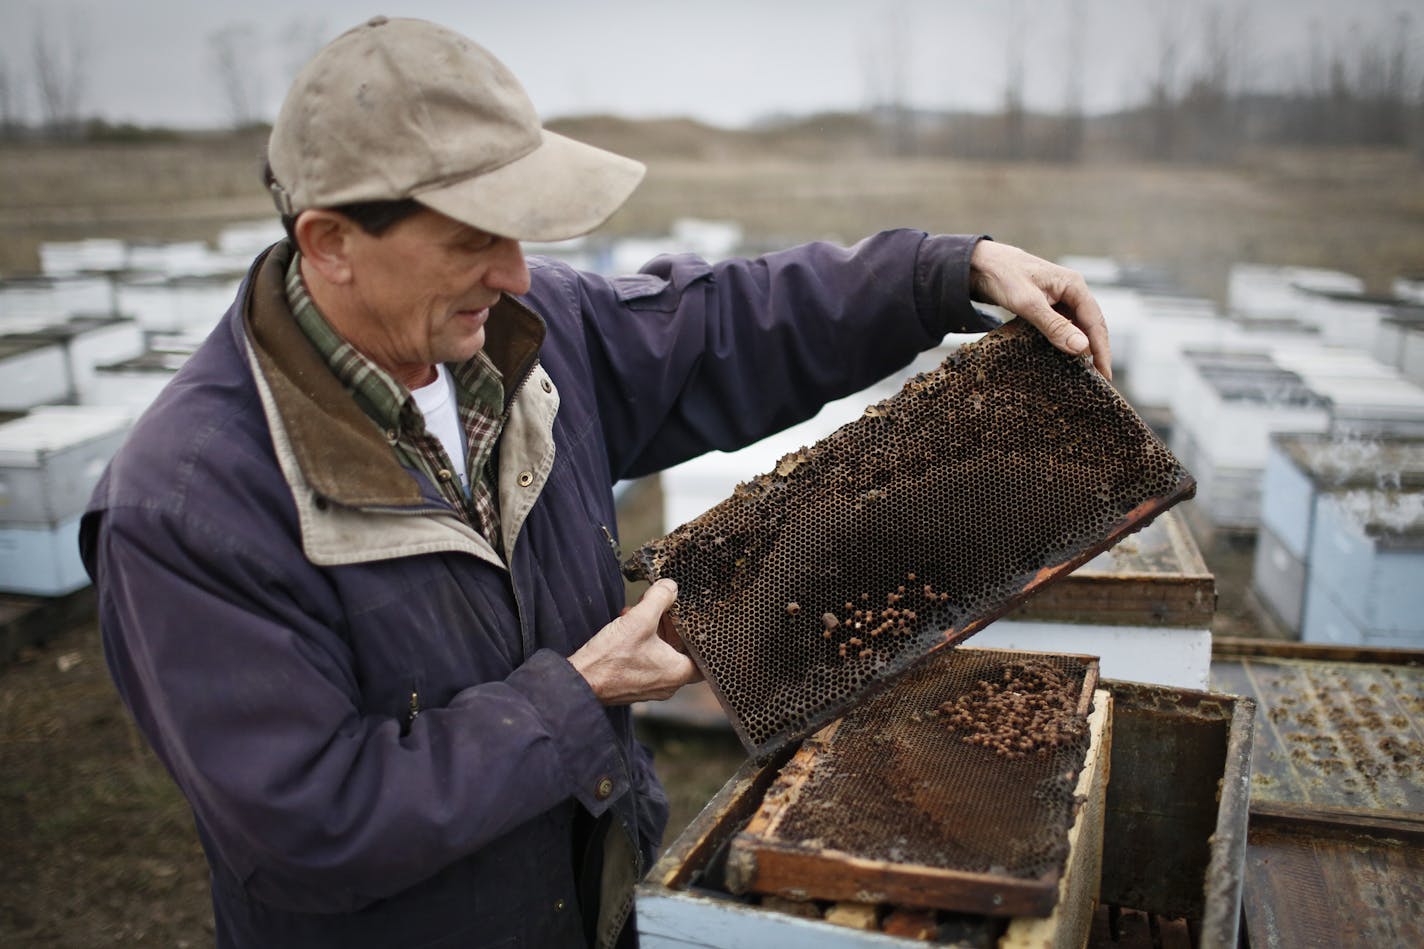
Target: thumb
x=658, y=599
x=1060, y=331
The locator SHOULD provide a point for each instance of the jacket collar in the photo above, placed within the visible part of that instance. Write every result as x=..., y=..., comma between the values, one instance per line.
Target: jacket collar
x=343, y=456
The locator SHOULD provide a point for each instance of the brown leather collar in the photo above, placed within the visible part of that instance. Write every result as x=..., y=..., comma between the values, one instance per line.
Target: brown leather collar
x=343, y=455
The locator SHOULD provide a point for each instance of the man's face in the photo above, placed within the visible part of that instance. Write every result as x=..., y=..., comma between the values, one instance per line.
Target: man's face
x=421, y=292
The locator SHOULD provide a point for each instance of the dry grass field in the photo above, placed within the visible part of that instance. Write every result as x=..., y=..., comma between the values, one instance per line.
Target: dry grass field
x=98, y=847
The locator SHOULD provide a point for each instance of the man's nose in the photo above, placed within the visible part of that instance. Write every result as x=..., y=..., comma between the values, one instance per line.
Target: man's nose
x=508, y=272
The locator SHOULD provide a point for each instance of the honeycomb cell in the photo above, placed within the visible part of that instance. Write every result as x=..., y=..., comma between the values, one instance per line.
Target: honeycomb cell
x=946, y=509
x=896, y=783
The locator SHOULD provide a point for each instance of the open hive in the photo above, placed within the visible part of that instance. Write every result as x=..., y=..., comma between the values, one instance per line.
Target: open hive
x=908, y=529
x=953, y=789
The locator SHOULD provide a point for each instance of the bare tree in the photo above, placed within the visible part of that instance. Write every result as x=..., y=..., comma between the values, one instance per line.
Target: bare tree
x=59, y=77
x=1162, y=88
x=238, y=71
x=9, y=102
x=885, y=58
x=1207, y=130
x=1015, y=118
x=1069, y=142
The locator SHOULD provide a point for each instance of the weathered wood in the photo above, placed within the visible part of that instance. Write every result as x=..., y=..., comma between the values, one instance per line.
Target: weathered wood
x=1334, y=733
x=854, y=915
x=805, y=909
x=910, y=924
x=762, y=859
x=1155, y=577
x=1072, y=917
x=1321, y=881
x=1183, y=871
x=1176, y=811
x=735, y=802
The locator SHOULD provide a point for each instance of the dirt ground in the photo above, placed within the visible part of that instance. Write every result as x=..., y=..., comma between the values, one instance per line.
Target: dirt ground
x=96, y=846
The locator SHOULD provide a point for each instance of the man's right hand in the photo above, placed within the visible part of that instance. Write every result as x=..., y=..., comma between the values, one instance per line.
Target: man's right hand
x=631, y=659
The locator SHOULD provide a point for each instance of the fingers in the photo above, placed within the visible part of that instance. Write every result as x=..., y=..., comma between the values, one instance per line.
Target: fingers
x=656, y=601
x=1054, y=299
x=1086, y=313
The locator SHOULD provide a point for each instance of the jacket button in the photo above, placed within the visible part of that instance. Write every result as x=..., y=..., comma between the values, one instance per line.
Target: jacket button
x=559, y=906
x=445, y=474
x=526, y=478
x=603, y=788
x=392, y=436
x=548, y=386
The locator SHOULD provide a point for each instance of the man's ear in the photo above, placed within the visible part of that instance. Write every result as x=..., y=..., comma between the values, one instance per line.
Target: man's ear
x=325, y=238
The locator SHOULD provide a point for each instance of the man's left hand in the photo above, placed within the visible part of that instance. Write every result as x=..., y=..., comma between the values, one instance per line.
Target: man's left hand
x=1052, y=298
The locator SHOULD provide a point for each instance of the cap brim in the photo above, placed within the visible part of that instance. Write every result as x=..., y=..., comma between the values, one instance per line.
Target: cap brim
x=562, y=189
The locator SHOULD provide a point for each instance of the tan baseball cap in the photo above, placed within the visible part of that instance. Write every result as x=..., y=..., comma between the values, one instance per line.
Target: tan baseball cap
x=401, y=108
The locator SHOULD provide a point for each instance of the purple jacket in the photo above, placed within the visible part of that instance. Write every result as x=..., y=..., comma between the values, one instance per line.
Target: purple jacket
x=371, y=715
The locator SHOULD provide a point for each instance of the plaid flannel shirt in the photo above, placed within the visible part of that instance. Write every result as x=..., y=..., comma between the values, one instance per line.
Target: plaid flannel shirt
x=479, y=394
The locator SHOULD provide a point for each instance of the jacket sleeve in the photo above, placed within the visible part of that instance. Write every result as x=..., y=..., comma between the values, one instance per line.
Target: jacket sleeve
x=313, y=805
x=690, y=356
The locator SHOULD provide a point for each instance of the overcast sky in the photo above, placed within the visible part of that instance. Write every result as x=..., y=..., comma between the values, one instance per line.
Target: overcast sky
x=728, y=61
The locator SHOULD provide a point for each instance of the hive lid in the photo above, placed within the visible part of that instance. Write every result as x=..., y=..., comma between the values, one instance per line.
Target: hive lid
x=25, y=441
x=922, y=521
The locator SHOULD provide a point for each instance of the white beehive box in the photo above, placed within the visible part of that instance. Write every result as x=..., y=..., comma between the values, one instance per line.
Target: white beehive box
x=1409, y=288
x=30, y=303
x=89, y=341
x=133, y=384
x=51, y=459
x=1411, y=354
x=181, y=259
x=1227, y=407
x=1379, y=404
x=1367, y=561
x=1279, y=579
x=32, y=372
x=1170, y=327
x=177, y=304
x=1260, y=291
x=1299, y=469
x=1389, y=344
x=67, y=258
x=41, y=560
x=1287, y=497
x=1344, y=318
x=1144, y=607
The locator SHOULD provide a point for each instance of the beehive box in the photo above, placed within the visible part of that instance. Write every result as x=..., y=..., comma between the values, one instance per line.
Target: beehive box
x=91, y=341
x=1174, y=840
x=1278, y=578
x=51, y=459
x=1144, y=607
x=1299, y=469
x=134, y=383
x=177, y=304
x=1366, y=561
x=1336, y=847
x=41, y=560
x=953, y=789
x=32, y=372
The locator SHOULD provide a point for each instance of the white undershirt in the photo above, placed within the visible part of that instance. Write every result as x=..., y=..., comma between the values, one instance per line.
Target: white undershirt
x=437, y=403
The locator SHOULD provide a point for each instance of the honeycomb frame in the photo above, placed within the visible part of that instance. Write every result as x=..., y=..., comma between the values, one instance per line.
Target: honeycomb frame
x=907, y=530
x=895, y=803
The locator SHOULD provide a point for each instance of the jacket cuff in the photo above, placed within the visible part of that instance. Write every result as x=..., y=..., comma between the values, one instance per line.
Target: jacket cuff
x=942, y=295
x=588, y=747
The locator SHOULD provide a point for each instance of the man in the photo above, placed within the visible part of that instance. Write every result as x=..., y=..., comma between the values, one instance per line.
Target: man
x=355, y=566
